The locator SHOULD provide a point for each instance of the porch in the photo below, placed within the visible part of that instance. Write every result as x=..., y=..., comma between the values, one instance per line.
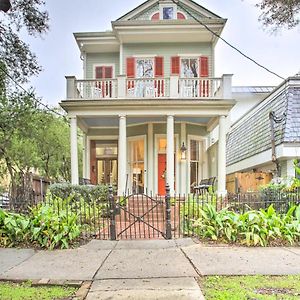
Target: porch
x=140, y=149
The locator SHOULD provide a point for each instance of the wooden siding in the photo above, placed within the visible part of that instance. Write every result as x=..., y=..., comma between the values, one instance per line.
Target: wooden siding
x=168, y=51
x=101, y=59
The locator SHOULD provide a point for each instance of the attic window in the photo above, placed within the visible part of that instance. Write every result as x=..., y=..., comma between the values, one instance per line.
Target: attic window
x=168, y=13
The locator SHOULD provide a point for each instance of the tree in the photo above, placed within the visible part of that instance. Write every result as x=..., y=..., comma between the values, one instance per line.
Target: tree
x=278, y=14
x=16, y=55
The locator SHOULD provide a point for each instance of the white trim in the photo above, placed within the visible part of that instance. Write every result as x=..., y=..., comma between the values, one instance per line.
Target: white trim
x=113, y=65
x=133, y=139
x=191, y=55
x=150, y=56
x=177, y=162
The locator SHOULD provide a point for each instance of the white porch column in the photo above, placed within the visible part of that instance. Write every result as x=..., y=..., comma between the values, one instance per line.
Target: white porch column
x=121, y=59
x=170, y=154
x=88, y=158
x=183, y=170
x=150, y=168
x=84, y=156
x=122, y=156
x=74, y=151
x=222, y=157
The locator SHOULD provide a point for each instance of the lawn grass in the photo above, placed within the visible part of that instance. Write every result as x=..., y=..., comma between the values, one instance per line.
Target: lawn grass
x=251, y=287
x=24, y=291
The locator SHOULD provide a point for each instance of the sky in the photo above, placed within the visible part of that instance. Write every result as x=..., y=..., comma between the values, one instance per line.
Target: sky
x=59, y=55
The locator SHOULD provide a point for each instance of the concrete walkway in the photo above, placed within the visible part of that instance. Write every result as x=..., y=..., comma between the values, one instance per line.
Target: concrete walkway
x=145, y=269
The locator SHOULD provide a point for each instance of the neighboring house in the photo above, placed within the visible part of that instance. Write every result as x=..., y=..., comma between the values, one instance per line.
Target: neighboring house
x=148, y=91
x=249, y=143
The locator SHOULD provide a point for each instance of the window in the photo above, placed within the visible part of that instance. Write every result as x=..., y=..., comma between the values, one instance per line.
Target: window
x=189, y=67
x=144, y=68
x=104, y=72
x=168, y=13
x=194, y=162
x=137, y=165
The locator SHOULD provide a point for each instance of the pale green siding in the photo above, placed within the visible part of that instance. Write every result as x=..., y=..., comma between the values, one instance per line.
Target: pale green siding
x=167, y=51
x=101, y=59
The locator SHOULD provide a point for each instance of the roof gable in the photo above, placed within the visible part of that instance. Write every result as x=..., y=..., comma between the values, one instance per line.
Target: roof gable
x=147, y=9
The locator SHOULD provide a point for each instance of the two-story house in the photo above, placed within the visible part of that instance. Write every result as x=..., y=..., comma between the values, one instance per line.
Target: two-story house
x=149, y=98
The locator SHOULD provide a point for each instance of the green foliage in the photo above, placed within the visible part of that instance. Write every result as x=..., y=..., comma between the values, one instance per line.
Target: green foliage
x=24, y=16
x=251, y=228
x=14, y=228
x=97, y=193
x=25, y=291
x=251, y=287
x=52, y=229
x=278, y=13
x=48, y=226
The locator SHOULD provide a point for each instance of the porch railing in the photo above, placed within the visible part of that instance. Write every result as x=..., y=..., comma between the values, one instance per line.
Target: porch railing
x=199, y=87
x=147, y=88
x=96, y=89
x=172, y=87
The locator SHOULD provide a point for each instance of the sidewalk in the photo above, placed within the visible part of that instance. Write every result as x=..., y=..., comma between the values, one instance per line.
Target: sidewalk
x=151, y=269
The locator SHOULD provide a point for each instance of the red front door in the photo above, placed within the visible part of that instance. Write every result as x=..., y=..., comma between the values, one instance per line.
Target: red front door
x=162, y=163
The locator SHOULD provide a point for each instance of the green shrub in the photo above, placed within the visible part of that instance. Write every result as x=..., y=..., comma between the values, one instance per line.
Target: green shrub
x=14, y=228
x=52, y=228
x=251, y=228
x=47, y=226
x=89, y=193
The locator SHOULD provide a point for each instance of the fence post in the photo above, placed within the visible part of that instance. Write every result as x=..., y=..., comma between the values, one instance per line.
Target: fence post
x=168, y=213
x=112, y=214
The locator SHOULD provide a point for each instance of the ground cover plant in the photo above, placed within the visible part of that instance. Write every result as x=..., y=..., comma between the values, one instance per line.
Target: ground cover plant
x=25, y=291
x=251, y=287
x=251, y=228
x=45, y=227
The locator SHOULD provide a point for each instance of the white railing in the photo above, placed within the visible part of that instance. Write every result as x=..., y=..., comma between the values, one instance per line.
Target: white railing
x=199, y=87
x=96, y=89
x=172, y=87
x=147, y=88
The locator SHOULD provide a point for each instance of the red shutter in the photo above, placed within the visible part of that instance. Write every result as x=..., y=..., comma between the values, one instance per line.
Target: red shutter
x=99, y=72
x=108, y=72
x=175, y=65
x=204, y=72
x=180, y=16
x=130, y=67
x=159, y=66
x=155, y=16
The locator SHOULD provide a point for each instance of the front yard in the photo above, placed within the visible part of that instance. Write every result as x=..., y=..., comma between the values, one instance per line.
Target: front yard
x=251, y=287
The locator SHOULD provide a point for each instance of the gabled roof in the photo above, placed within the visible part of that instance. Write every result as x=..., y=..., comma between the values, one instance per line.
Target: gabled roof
x=190, y=5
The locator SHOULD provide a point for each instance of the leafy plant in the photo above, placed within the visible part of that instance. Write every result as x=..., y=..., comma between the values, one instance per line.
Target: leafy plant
x=252, y=228
x=52, y=228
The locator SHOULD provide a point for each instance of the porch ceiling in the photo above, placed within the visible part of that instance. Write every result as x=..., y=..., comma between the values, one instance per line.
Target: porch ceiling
x=94, y=122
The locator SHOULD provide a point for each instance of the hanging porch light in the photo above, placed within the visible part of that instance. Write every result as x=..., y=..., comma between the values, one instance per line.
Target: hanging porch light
x=183, y=150
x=5, y=5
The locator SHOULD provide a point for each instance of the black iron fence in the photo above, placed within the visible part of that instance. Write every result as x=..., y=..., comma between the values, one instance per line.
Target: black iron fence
x=147, y=216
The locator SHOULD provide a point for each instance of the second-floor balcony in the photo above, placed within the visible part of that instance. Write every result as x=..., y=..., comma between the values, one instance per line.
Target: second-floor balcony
x=149, y=88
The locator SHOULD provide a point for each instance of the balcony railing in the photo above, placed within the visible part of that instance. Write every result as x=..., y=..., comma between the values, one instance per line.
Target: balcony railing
x=96, y=89
x=150, y=88
x=199, y=87
x=147, y=88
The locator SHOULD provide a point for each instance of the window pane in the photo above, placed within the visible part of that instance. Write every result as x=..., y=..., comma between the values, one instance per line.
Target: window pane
x=189, y=68
x=168, y=13
x=194, y=150
x=194, y=173
x=144, y=68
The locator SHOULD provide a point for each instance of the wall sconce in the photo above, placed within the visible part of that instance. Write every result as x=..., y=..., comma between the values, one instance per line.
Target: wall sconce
x=183, y=150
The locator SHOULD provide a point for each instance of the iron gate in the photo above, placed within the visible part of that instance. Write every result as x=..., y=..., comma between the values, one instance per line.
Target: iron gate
x=140, y=217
